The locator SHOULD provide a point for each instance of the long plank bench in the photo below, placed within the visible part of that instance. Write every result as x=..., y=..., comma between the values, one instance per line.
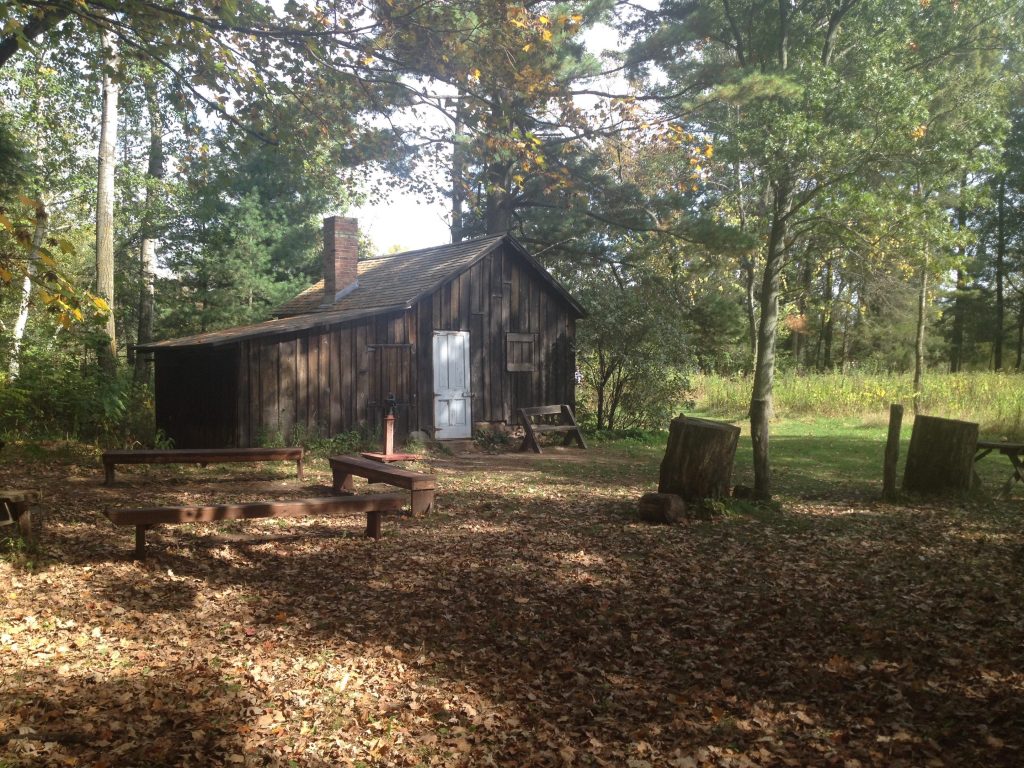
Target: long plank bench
x=374, y=505
x=201, y=456
x=566, y=424
x=421, y=486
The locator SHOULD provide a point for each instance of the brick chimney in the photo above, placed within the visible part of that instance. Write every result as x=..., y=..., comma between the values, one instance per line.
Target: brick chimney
x=341, y=245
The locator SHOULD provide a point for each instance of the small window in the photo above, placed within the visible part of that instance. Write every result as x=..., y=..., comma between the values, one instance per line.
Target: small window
x=521, y=352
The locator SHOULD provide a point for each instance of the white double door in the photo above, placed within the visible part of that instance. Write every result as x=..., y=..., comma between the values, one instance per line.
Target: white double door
x=452, y=395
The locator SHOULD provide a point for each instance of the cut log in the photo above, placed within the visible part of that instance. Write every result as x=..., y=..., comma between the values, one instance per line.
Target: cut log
x=941, y=456
x=699, y=458
x=662, y=508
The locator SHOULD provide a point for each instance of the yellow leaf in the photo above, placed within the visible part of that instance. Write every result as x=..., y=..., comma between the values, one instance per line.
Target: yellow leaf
x=709, y=151
x=6, y=222
x=544, y=20
x=546, y=34
x=101, y=303
x=28, y=201
x=5, y=275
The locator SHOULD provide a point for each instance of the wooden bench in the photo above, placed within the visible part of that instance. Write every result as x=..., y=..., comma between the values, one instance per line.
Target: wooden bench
x=421, y=486
x=201, y=456
x=374, y=505
x=14, y=509
x=1012, y=451
x=566, y=424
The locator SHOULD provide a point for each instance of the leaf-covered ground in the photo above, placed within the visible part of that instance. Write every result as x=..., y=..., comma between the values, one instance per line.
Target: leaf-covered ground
x=530, y=621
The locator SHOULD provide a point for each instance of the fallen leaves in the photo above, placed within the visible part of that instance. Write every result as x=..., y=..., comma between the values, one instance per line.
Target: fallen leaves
x=529, y=622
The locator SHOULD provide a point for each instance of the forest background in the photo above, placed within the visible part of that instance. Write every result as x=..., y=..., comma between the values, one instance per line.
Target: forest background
x=765, y=207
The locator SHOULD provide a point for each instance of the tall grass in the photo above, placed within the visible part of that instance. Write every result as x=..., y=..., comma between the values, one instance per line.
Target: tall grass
x=994, y=400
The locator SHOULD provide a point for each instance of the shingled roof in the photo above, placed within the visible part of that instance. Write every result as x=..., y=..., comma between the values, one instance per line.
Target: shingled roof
x=387, y=284
x=399, y=278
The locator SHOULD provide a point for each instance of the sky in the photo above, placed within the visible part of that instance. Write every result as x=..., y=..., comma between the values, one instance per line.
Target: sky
x=405, y=222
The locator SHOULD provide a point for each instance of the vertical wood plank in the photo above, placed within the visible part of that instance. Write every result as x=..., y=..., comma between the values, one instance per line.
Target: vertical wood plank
x=425, y=367
x=286, y=382
x=515, y=291
x=269, y=380
x=242, y=424
x=465, y=301
x=506, y=310
x=346, y=383
x=495, y=356
x=362, y=379
x=325, y=383
x=301, y=387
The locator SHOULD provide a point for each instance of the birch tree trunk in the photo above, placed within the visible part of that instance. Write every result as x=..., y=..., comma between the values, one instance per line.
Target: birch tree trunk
x=38, y=235
x=147, y=251
x=105, y=200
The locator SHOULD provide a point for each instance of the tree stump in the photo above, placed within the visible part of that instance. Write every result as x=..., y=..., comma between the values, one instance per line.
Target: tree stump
x=662, y=508
x=699, y=458
x=941, y=456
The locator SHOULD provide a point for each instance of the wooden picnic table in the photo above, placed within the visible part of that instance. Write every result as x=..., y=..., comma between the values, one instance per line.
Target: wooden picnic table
x=1012, y=451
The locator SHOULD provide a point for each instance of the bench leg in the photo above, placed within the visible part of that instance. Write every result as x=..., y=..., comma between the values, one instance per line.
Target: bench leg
x=140, y=542
x=422, y=502
x=373, y=524
x=298, y=466
x=343, y=481
x=24, y=518
x=108, y=473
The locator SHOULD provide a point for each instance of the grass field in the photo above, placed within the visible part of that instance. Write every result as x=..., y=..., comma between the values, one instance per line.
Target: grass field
x=994, y=400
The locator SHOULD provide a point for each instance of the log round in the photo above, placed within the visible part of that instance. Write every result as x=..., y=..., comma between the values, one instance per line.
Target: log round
x=941, y=456
x=699, y=459
x=662, y=508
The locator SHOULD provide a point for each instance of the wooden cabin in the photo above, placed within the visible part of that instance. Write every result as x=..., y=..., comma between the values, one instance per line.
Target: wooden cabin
x=451, y=338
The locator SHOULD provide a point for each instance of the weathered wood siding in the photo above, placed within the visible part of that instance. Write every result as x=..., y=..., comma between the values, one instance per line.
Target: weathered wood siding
x=515, y=321
x=195, y=391
x=325, y=381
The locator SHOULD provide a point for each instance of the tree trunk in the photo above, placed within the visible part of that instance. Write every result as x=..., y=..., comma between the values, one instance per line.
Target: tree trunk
x=941, y=456
x=699, y=459
x=956, y=347
x=956, y=352
x=922, y=307
x=38, y=236
x=764, y=372
x=828, y=331
x=458, y=192
x=105, y=200
x=147, y=251
x=997, y=347
x=751, y=307
x=1020, y=334
x=498, y=210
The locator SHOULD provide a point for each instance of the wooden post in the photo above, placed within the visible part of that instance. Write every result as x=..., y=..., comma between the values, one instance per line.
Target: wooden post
x=892, y=452
x=389, y=434
x=140, y=542
x=373, y=520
